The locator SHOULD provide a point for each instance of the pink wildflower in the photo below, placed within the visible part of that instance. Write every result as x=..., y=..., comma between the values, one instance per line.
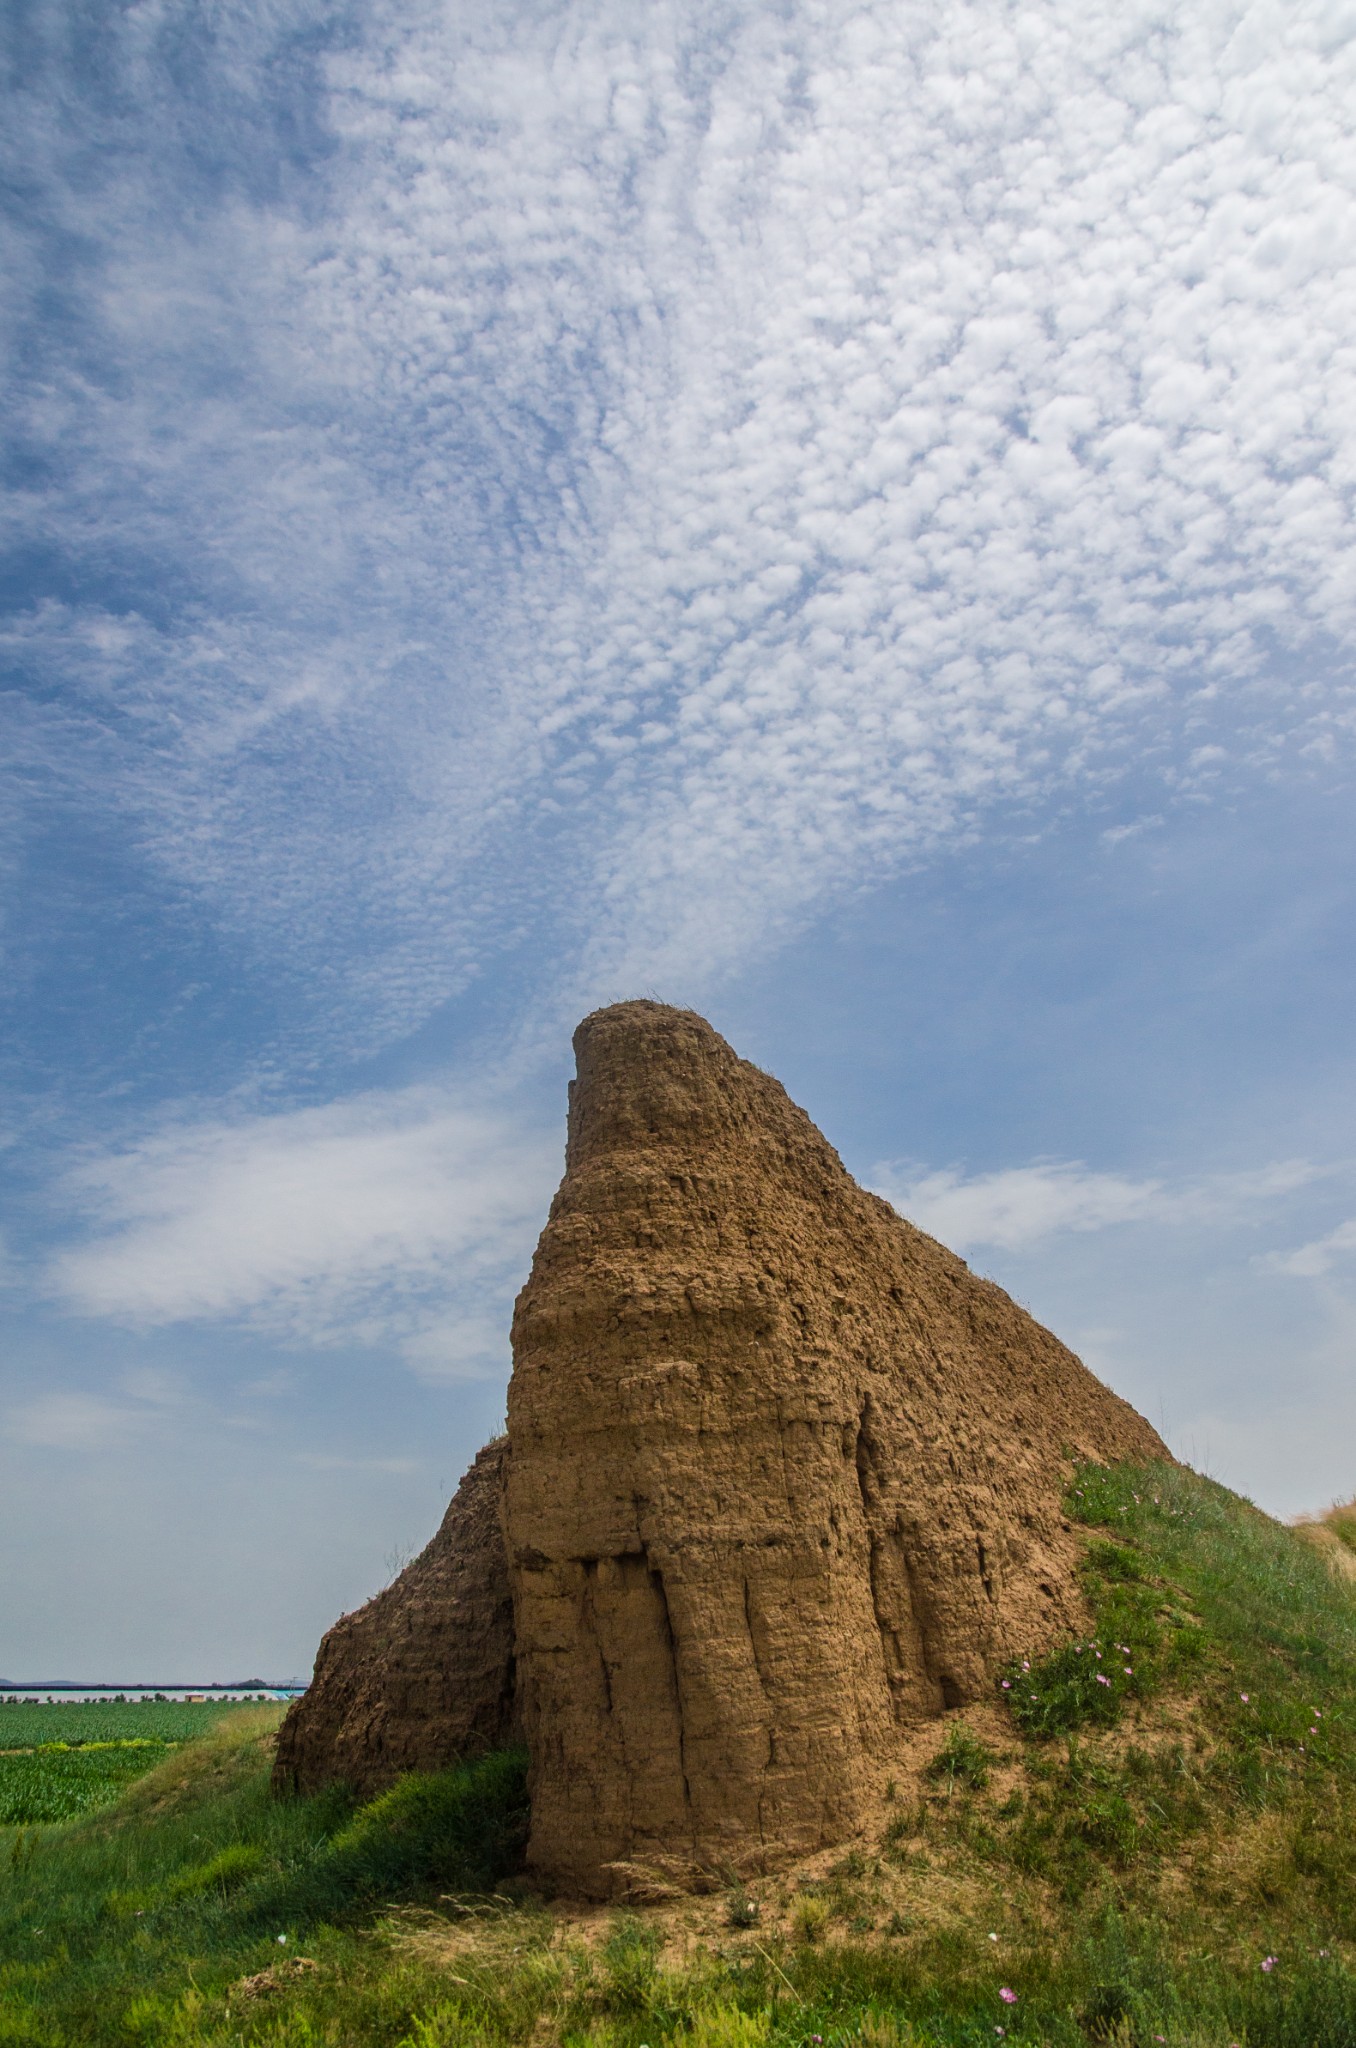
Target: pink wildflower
x=1268, y=1962
x=1008, y=1996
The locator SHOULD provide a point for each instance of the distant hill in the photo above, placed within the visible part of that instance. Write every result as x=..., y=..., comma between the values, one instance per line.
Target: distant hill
x=154, y=1685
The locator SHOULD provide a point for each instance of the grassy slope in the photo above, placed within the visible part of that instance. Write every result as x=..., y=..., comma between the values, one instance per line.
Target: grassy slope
x=1139, y=1850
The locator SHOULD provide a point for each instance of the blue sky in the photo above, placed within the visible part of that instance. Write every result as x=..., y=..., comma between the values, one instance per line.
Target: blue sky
x=839, y=515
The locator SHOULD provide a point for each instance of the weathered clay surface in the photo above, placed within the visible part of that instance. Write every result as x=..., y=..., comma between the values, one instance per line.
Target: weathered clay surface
x=424, y=1673
x=784, y=1474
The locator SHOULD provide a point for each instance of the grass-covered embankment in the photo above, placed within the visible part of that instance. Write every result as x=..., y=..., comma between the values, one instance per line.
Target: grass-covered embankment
x=133, y=1923
x=1154, y=1844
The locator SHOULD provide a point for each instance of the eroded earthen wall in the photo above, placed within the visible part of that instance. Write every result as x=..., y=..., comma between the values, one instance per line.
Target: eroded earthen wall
x=424, y=1673
x=785, y=1475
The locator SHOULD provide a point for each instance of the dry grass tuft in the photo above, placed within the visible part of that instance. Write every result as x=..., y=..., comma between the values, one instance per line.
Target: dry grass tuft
x=276, y=1978
x=1334, y=1533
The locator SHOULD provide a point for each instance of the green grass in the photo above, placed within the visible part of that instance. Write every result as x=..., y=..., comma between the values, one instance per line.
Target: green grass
x=1136, y=1866
x=963, y=1759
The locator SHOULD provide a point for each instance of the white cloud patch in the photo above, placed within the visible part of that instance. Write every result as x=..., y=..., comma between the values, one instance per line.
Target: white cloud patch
x=322, y=1461
x=460, y=1347
x=1314, y=1261
x=71, y=1420
x=674, y=466
x=81, y=1419
x=368, y=1219
x=1022, y=1206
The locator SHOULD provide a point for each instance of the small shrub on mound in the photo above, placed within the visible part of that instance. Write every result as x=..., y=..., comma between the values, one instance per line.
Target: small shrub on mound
x=810, y=1917
x=962, y=1759
x=742, y=1909
x=1083, y=1685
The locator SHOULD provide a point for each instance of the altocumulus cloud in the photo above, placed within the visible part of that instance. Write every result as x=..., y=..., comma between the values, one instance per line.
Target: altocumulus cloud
x=678, y=464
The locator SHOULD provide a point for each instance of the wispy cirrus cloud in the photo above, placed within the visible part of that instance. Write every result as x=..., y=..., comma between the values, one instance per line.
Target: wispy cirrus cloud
x=390, y=1218
x=82, y=1419
x=68, y=1420
x=655, y=472
x=1315, y=1260
x=1021, y=1206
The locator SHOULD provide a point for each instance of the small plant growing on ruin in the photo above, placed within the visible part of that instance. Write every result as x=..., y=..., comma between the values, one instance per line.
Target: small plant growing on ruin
x=810, y=1917
x=742, y=1909
x=962, y=1760
x=902, y=1827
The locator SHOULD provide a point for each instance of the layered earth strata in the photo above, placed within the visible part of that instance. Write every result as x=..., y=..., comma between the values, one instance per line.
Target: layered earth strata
x=783, y=1479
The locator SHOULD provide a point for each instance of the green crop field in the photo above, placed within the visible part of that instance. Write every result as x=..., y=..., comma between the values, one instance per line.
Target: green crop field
x=62, y=1759
x=23, y=1725
x=40, y=1785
